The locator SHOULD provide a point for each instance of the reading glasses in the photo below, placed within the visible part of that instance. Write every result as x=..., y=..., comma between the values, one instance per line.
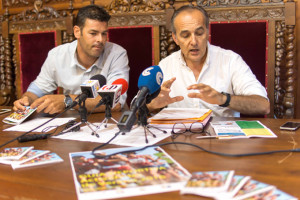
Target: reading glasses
x=181, y=128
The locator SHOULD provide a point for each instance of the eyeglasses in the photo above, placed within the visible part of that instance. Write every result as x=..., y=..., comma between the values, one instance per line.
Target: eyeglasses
x=181, y=128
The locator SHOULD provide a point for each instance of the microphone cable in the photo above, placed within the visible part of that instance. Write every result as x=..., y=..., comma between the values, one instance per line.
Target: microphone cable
x=199, y=147
x=25, y=138
x=104, y=144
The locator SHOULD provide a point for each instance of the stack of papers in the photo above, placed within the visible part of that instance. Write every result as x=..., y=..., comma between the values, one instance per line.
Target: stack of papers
x=241, y=129
x=167, y=117
x=224, y=185
x=20, y=157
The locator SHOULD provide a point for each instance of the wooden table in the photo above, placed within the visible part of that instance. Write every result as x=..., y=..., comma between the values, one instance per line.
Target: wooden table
x=55, y=181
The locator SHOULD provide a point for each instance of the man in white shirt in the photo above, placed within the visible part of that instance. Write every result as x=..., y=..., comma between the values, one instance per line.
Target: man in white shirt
x=69, y=65
x=201, y=75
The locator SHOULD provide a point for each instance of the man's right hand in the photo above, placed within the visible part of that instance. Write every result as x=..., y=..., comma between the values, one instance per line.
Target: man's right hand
x=164, y=99
x=21, y=103
x=25, y=100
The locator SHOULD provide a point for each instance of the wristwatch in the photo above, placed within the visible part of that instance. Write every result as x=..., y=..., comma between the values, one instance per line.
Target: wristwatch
x=227, y=100
x=68, y=101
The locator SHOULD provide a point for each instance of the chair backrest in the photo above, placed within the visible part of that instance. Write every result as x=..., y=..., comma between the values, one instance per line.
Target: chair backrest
x=33, y=49
x=29, y=35
x=138, y=41
x=249, y=40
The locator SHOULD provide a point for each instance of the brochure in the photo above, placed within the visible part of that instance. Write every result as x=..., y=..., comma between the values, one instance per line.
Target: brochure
x=236, y=184
x=28, y=156
x=133, y=173
x=41, y=160
x=275, y=195
x=14, y=153
x=208, y=183
x=241, y=129
x=253, y=188
x=19, y=116
x=215, y=184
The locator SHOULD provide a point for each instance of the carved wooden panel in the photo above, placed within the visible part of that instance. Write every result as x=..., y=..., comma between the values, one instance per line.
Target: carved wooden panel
x=36, y=18
x=44, y=15
x=24, y=3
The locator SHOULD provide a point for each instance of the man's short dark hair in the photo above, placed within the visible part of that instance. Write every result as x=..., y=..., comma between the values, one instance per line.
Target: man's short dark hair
x=91, y=12
x=189, y=7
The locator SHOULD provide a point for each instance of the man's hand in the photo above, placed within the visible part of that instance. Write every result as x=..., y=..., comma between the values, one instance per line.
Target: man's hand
x=25, y=100
x=49, y=104
x=164, y=99
x=207, y=94
x=21, y=103
x=248, y=104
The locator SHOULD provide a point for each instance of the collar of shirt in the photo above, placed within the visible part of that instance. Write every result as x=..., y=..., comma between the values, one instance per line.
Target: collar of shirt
x=75, y=63
x=206, y=63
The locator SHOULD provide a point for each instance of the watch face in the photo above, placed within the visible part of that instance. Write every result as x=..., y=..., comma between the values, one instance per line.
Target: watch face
x=68, y=101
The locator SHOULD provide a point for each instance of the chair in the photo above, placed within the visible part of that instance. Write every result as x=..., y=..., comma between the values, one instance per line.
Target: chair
x=29, y=35
x=140, y=56
x=248, y=39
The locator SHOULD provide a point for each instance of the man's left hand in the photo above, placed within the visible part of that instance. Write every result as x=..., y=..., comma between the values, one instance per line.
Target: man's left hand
x=207, y=94
x=49, y=104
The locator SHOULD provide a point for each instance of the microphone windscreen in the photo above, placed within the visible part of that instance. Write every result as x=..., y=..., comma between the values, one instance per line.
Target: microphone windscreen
x=151, y=78
x=122, y=82
x=100, y=78
x=150, y=97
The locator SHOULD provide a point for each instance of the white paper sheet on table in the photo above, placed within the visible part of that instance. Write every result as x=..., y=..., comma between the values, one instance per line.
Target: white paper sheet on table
x=135, y=138
x=31, y=124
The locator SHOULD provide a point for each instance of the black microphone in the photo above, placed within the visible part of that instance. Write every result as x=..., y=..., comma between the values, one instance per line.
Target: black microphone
x=90, y=87
x=33, y=137
x=149, y=82
x=150, y=97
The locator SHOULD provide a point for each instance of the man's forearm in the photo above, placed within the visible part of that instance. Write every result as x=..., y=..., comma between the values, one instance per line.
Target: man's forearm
x=31, y=97
x=253, y=104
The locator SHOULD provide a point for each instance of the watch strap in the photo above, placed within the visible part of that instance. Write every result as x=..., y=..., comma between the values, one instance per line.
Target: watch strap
x=228, y=98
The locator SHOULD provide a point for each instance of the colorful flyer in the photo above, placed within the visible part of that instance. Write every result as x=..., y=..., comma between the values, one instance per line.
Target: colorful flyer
x=19, y=116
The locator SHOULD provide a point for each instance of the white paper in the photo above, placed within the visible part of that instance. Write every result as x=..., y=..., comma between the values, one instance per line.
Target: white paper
x=134, y=138
x=29, y=125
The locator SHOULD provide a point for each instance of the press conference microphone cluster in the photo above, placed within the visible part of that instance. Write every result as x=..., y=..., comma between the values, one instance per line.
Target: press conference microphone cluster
x=149, y=84
x=111, y=94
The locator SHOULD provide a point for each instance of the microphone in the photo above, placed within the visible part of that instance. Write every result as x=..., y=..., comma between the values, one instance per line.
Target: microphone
x=150, y=97
x=149, y=83
x=33, y=137
x=111, y=94
x=90, y=87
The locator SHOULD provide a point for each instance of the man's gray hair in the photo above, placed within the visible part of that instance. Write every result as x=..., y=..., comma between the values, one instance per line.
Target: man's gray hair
x=189, y=7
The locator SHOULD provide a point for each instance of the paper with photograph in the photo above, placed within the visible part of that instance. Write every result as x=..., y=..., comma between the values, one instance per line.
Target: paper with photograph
x=133, y=173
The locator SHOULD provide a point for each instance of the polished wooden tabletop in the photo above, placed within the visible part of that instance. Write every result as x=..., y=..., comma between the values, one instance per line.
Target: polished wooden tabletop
x=55, y=181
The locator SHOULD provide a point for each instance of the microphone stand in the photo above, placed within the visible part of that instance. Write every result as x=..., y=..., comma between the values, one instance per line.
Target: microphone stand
x=83, y=116
x=142, y=121
x=108, y=116
x=83, y=119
